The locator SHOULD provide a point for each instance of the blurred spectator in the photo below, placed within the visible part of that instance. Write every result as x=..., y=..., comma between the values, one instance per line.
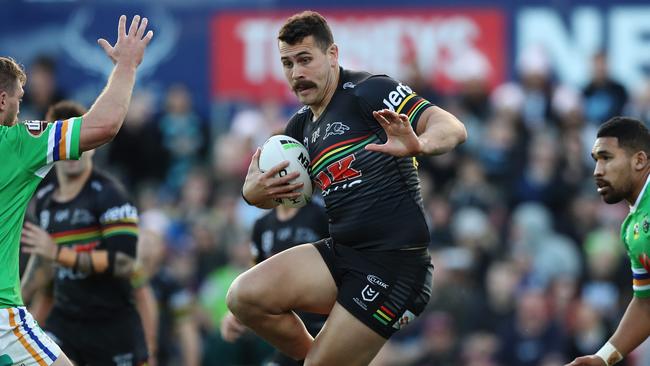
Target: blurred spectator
x=531, y=337
x=479, y=349
x=640, y=105
x=604, y=96
x=547, y=254
x=136, y=151
x=41, y=90
x=184, y=134
x=534, y=71
x=175, y=302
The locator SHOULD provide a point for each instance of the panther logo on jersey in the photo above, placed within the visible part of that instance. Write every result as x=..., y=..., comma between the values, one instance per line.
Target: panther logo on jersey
x=336, y=128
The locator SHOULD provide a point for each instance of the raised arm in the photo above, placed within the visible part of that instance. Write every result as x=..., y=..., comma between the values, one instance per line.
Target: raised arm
x=104, y=119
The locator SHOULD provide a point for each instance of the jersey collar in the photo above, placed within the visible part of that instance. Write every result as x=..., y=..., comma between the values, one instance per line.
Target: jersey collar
x=638, y=199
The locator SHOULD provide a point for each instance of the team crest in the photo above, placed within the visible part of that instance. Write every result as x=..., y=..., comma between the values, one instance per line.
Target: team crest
x=35, y=128
x=645, y=261
x=336, y=128
x=645, y=225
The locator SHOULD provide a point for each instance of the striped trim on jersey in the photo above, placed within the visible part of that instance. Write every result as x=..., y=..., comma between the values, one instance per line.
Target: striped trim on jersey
x=640, y=280
x=78, y=236
x=27, y=338
x=63, y=140
x=120, y=228
x=340, y=149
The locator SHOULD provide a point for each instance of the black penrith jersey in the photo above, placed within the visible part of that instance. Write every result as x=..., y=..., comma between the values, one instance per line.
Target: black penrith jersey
x=373, y=200
x=271, y=236
x=100, y=217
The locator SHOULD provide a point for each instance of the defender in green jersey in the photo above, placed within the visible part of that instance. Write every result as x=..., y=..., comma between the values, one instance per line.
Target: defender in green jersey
x=622, y=155
x=28, y=150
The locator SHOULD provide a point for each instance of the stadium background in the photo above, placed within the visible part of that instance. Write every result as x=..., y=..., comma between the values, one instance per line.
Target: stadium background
x=529, y=266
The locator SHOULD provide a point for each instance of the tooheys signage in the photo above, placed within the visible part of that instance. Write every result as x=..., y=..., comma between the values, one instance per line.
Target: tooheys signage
x=445, y=43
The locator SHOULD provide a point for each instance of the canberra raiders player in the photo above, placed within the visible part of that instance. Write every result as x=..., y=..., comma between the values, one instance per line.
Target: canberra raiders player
x=86, y=219
x=622, y=155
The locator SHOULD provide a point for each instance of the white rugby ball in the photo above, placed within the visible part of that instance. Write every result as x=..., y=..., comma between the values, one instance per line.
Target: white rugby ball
x=279, y=148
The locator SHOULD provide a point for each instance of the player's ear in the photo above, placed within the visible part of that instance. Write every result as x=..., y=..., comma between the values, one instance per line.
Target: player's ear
x=333, y=55
x=640, y=160
x=3, y=100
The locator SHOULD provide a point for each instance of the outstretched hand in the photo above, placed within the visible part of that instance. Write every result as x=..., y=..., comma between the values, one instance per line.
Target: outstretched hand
x=587, y=361
x=401, y=139
x=129, y=48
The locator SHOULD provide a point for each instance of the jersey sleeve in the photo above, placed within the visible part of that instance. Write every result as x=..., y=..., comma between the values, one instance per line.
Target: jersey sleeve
x=636, y=237
x=294, y=127
x=383, y=92
x=118, y=219
x=37, y=144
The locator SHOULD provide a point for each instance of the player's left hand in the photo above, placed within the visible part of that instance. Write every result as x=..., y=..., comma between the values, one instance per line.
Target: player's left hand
x=402, y=140
x=591, y=360
x=38, y=241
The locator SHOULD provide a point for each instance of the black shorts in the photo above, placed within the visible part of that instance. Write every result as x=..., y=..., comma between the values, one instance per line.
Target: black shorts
x=100, y=342
x=385, y=290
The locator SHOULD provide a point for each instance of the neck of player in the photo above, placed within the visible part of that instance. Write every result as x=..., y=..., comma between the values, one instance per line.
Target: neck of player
x=70, y=185
x=330, y=89
x=639, y=187
x=284, y=213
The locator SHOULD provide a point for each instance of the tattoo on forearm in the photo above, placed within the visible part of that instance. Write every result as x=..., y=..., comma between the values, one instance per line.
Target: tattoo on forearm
x=123, y=266
x=84, y=263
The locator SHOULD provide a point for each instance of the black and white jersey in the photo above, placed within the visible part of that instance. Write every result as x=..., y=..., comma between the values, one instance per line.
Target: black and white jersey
x=372, y=199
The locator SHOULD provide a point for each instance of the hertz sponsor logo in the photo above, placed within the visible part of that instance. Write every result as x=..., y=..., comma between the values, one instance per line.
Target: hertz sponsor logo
x=396, y=97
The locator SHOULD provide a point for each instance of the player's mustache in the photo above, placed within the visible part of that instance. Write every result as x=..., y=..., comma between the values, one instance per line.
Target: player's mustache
x=303, y=84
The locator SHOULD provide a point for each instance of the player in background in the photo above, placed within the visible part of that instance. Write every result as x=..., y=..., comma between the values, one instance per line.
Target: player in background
x=278, y=230
x=179, y=342
x=622, y=155
x=28, y=150
x=373, y=276
x=88, y=211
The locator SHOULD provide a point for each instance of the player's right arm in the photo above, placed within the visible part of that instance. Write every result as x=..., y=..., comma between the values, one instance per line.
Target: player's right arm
x=104, y=119
x=262, y=189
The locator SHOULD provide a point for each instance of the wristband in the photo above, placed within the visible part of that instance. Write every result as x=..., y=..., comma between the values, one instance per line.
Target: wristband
x=609, y=354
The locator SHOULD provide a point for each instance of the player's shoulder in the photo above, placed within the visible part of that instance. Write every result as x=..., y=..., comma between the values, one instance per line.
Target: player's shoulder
x=103, y=182
x=45, y=191
x=24, y=129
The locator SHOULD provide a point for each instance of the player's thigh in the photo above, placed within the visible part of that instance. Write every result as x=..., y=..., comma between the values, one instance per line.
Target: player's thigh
x=296, y=278
x=344, y=340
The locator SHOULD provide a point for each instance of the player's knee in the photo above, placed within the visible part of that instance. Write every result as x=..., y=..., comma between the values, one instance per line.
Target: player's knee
x=241, y=298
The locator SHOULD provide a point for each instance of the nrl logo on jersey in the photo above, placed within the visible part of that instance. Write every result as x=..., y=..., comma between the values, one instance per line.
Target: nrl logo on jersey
x=35, y=128
x=336, y=128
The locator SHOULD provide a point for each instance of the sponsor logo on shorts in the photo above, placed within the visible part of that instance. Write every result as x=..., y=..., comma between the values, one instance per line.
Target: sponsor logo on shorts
x=404, y=320
x=377, y=281
x=368, y=294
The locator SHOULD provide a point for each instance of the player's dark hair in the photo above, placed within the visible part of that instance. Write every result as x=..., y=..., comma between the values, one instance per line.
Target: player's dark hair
x=63, y=110
x=10, y=71
x=631, y=133
x=305, y=24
